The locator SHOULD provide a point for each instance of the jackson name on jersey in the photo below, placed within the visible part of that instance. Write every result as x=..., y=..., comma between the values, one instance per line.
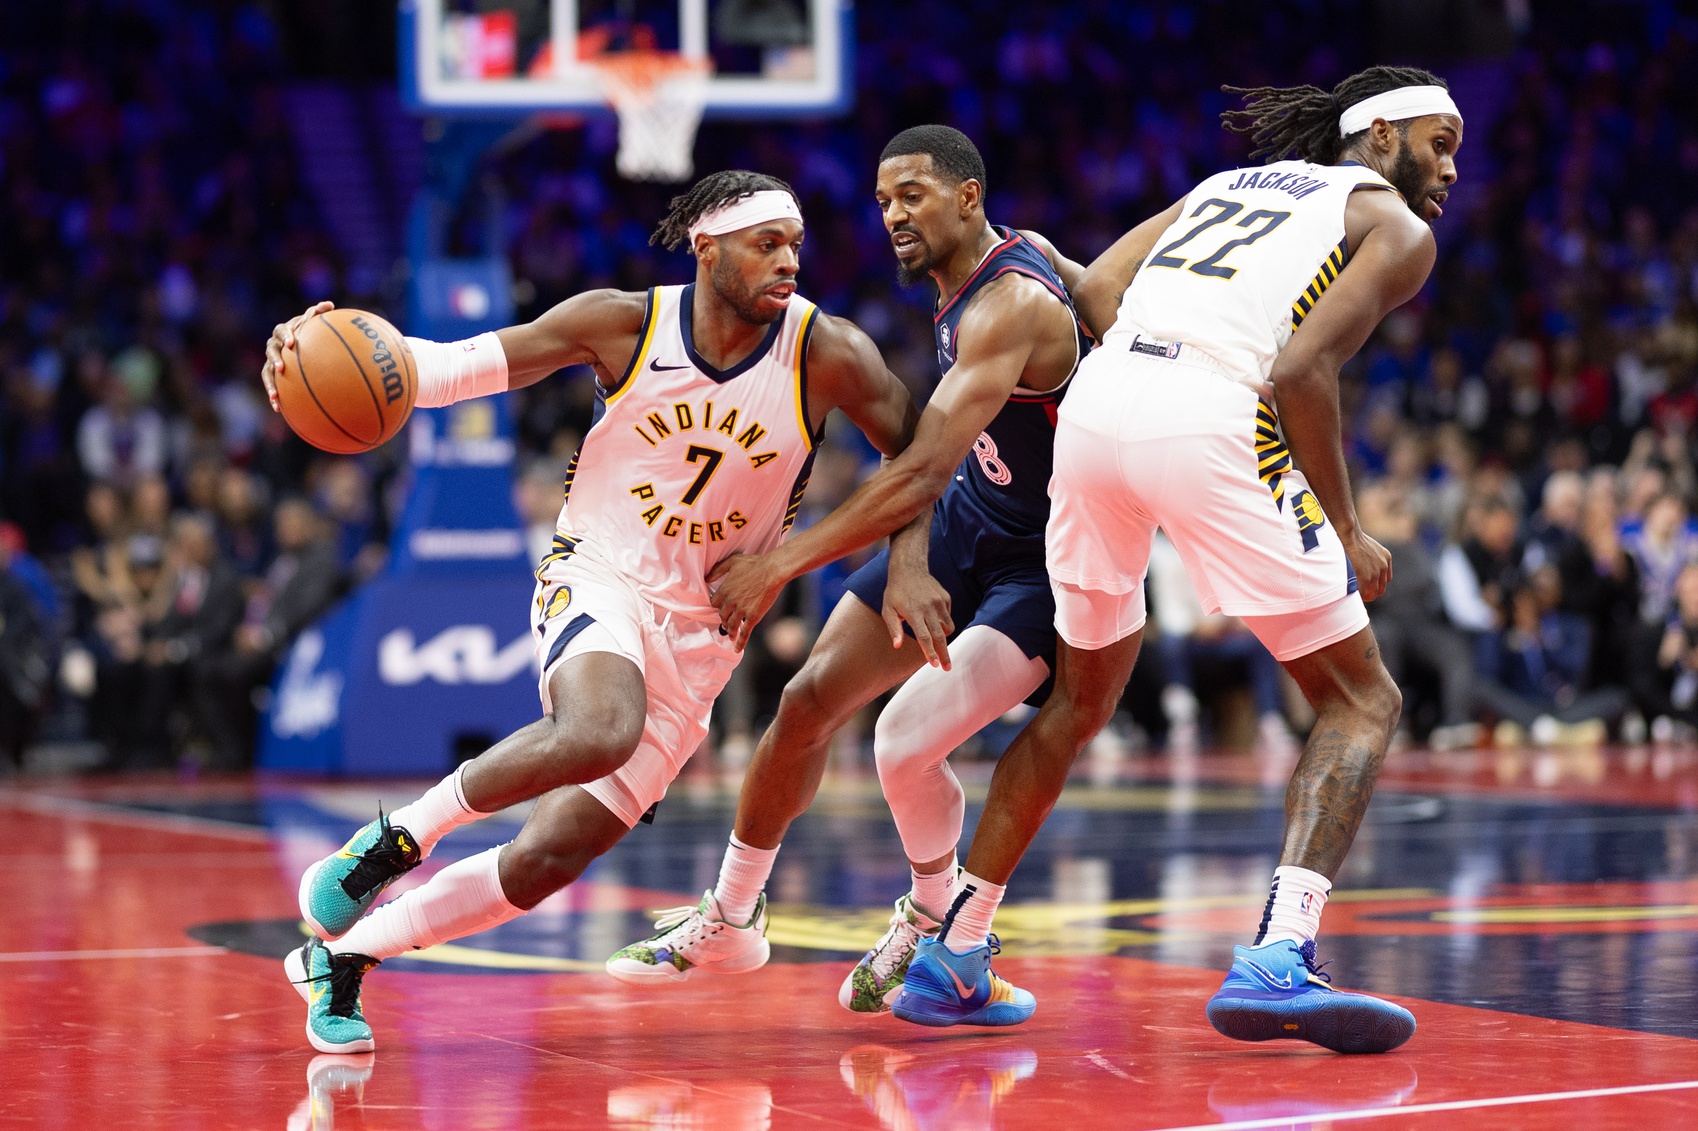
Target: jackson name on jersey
x=687, y=464
x=1248, y=258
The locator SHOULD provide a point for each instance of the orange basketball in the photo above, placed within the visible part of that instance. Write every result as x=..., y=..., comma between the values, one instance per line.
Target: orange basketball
x=349, y=383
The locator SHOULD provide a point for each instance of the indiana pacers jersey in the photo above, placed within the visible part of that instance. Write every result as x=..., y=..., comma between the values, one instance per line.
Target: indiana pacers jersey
x=1248, y=258
x=687, y=464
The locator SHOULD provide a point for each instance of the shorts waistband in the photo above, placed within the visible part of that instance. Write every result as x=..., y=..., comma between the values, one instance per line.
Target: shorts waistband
x=1146, y=346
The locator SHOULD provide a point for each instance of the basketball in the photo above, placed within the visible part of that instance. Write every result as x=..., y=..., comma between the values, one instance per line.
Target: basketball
x=349, y=383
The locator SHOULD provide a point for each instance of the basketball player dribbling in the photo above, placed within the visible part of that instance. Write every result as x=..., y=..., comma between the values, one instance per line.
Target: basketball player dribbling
x=712, y=397
x=1008, y=341
x=1264, y=276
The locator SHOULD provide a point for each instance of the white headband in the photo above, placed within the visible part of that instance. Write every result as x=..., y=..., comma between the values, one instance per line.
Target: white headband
x=756, y=208
x=1396, y=106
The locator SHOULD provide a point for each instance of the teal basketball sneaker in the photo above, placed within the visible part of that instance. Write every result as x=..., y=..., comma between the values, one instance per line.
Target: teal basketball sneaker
x=337, y=890
x=944, y=988
x=1276, y=991
x=330, y=985
x=876, y=980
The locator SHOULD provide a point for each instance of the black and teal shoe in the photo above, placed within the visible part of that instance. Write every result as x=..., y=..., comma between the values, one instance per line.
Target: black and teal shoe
x=330, y=985
x=337, y=890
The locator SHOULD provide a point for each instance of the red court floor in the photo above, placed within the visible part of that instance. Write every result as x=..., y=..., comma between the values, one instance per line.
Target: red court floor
x=1539, y=914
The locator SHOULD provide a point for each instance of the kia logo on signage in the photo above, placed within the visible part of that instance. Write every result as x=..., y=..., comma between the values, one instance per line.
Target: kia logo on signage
x=466, y=653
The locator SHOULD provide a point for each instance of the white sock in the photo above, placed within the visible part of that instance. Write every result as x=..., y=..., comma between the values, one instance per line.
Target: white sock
x=1294, y=906
x=969, y=922
x=439, y=812
x=935, y=892
x=741, y=877
x=462, y=899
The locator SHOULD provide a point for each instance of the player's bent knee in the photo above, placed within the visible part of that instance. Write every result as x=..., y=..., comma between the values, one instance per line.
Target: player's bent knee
x=804, y=709
x=897, y=749
x=587, y=752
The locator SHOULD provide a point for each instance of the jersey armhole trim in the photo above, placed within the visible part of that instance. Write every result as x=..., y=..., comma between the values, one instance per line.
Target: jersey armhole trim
x=801, y=379
x=645, y=336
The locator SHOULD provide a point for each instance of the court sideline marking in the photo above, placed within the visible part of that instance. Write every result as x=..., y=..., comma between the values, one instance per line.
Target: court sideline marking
x=1451, y=1105
x=139, y=952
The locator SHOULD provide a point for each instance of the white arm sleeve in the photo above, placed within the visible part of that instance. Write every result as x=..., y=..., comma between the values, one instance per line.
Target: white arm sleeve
x=458, y=371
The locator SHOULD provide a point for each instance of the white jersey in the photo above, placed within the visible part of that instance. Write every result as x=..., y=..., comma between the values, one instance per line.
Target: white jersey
x=687, y=464
x=1249, y=256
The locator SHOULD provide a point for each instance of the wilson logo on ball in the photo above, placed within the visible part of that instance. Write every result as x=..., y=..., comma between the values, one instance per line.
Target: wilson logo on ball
x=383, y=358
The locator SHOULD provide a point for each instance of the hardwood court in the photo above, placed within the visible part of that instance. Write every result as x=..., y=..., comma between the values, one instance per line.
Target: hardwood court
x=1537, y=911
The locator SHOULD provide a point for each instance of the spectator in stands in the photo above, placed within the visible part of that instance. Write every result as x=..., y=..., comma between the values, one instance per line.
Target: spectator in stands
x=244, y=535
x=1555, y=528
x=120, y=441
x=1479, y=571
x=98, y=567
x=1409, y=620
x=1664, y=666
x=197, y=632
x=299, y=587
x=1661, y=547
x=25, y=663
x=132, y=698
x=1535, y=684
x=1600, y=583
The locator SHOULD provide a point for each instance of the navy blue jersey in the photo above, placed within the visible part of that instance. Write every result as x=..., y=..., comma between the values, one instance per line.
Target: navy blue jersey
x=1006, y=475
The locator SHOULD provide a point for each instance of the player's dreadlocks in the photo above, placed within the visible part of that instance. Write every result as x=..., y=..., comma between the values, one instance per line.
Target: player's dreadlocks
x=705, y=195
x=1303, y=120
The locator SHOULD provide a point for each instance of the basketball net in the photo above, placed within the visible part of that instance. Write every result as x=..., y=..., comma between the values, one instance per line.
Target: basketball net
x=659, y=97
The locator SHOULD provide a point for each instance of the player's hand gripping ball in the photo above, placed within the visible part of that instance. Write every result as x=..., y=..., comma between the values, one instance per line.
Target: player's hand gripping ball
x=348, y=382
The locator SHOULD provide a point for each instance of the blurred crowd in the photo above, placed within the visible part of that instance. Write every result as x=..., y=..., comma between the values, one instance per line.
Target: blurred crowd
x=1521, y=436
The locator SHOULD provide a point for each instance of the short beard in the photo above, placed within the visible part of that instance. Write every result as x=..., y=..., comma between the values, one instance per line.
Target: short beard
x=907, y=276
x=743, y=301
x=1407, y=179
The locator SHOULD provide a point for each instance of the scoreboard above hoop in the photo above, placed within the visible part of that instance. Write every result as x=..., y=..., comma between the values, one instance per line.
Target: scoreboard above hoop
x=767, y=58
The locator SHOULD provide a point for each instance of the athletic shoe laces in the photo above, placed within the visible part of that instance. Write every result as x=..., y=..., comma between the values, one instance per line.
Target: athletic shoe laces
x=381, y=862
x=1307, y=953
x=680, y=925
x=898, y=943
x=344, y=976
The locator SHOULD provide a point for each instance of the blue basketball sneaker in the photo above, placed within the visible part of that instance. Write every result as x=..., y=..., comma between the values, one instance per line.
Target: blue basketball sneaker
x=330, y=985
x=1275, y=991
x=944, y=988
x=337, y=890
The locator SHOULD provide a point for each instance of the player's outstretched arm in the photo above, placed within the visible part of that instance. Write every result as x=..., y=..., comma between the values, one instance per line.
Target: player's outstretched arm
x=997, y=339
x=597, y=328
x=1097, y=296
x=1394, y=252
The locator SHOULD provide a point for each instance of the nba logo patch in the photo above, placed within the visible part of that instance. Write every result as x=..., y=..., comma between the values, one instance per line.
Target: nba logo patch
x=943, y=335
x=1308, y=901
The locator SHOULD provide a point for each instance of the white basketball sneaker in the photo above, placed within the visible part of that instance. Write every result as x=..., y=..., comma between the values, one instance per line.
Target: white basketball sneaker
x=694, y=938
x=876, y=980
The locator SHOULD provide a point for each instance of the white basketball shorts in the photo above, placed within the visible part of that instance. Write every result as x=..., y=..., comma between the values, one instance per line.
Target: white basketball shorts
x=582, y=605
x=1146, y=441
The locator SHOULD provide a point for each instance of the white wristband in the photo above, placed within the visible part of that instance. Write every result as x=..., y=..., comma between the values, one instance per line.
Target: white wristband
x=458, y=371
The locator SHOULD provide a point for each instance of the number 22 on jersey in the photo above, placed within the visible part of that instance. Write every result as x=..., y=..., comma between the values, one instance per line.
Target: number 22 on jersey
x=1259, y=223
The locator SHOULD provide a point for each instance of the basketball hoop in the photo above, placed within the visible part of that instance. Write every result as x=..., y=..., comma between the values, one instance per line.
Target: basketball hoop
x=659, y=97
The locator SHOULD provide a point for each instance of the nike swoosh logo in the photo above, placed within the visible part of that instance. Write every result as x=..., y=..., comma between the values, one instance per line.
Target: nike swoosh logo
x=1277, y=983
x=317, y=993
x=659, y=368
x=959, y=987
